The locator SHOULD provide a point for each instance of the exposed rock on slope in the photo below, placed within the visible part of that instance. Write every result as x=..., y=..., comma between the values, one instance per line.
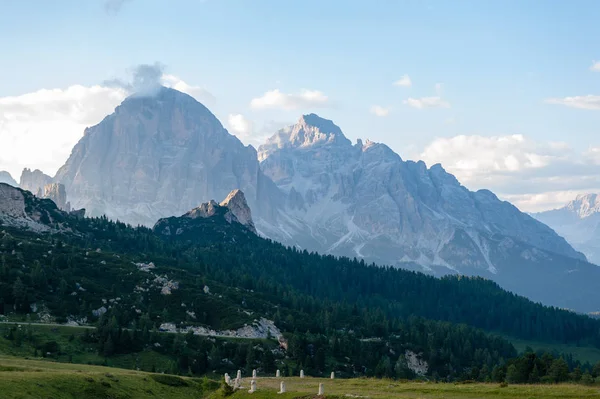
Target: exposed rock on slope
x=579, y=222
x=19, y=208
x=160, y=156
x=5, y=177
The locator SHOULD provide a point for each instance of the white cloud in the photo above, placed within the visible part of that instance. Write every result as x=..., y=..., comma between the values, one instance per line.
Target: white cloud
x=404, y=81
x=278, y=100
x=583, y=102
x=39, y=129
x=595, y=66
x=533, y=175
x=239, y=125
x=427, y=102
x=378, y=110
x=199, y=93
x=539, y=202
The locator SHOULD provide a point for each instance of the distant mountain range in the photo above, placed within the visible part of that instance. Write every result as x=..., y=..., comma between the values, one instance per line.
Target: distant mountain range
x=579, y=222
x=311, y=188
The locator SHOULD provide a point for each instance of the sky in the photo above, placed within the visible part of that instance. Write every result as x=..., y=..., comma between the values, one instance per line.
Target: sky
x=504, y=94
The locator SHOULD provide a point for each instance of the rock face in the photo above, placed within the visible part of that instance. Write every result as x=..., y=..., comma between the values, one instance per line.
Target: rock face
x=34, y=181
x=237, y=205
x=57, y=193
x=579, y=222
x=5, y=177
x=19, y=208
x=364, y=201
x=160, y=156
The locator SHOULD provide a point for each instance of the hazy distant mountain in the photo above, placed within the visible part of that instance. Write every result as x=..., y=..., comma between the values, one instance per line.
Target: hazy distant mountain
x=579, y=222
x=34, y=181
x=161, y=156
x=5, y=177
x=364, y=201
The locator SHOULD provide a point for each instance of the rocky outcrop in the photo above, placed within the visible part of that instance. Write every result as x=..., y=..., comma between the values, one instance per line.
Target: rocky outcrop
x=237, y=205
x=160, y=156
x=34, y=181
x=234, y=209
x=5, y=177
x=57, y=193
x=19, y=208
x=579, y=222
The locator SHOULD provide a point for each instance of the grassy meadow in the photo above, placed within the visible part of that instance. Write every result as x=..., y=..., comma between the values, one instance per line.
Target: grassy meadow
x=23, y=378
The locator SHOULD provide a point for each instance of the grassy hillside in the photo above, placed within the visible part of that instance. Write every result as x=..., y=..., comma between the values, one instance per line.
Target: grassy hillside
x=31, y=379
x=20, y=378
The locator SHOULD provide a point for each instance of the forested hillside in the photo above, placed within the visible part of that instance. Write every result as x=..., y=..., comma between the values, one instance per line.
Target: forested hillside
x=334, y=313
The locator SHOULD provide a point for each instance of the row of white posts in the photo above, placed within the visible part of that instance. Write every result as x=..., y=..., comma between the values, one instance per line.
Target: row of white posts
x=238, y=381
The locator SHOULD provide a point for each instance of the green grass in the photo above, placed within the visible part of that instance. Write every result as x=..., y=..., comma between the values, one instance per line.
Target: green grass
x=388, y=389
x=20, y=378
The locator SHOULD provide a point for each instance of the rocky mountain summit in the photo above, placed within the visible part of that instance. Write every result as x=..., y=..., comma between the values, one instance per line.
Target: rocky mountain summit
x=5, y=177
x=233, y=210
x=579, y=222
x=363, y=200
x=34, y=181
x=160, y=156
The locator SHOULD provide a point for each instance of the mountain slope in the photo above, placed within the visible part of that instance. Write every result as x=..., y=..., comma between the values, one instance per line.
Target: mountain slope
x=5, y=177
x=363, y=200
x=159, y=156
x=216, y=275
x=579, y=222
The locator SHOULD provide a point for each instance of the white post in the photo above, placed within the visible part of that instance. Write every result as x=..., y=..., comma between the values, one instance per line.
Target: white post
x=239, y=375
x=321, y=389
x=278, y=374
x=254, y=373
x=252, y=386
x=227, y=379
x=301, y=373
x=281, y=387
x=237, y=384
x=333, y=375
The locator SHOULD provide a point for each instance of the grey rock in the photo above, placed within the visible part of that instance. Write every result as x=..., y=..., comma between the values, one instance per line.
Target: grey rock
x=160, y=156
x=365, y=201
x=34, y=181
x=57, y=193
x=5, y=177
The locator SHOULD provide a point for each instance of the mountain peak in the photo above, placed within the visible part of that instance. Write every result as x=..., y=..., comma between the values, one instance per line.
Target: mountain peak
x=5, y=177
x=585, y=205
x=236, y=202
x=312, y=130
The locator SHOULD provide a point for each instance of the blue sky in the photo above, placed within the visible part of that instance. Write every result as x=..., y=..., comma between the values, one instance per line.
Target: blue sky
x=496, y=62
